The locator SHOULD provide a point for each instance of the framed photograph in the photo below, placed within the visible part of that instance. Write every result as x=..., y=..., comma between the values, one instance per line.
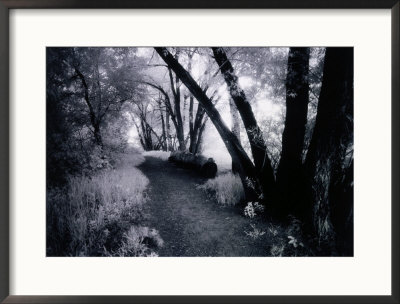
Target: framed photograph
x=211, y=151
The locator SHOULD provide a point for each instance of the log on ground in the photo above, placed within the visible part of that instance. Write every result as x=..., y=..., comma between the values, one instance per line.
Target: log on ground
x=205, y=166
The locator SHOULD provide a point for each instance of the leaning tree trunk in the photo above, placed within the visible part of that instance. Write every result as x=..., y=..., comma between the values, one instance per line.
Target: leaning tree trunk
x=262, y=162
x=289, y=174
x=247, y=169
x=331, y=140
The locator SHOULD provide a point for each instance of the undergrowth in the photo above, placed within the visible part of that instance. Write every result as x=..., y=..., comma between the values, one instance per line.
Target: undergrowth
x=226, y=188
x=285, y=240
x=97, y=215
x=138, y=241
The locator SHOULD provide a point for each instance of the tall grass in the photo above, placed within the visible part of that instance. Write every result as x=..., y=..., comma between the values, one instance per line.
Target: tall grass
x=226, y=188
x=137, y=240
x=91, y=215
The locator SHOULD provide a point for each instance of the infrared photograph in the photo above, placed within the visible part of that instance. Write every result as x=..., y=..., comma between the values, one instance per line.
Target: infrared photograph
x=199, y=151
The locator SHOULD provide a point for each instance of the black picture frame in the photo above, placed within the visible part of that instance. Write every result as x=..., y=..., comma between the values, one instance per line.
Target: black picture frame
x=7, y=5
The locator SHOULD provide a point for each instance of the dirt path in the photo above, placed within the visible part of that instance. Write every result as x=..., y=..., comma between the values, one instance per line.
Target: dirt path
x=189, y=222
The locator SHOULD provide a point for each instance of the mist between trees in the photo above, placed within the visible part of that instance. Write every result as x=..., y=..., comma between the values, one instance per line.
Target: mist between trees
x=280, y=119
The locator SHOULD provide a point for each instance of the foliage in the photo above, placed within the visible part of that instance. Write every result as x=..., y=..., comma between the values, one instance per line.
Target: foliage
x=89, y=215
x=138, y=241
x=283, y=239
x=227, y=189
x=252, y=209
x=255, y=233
x=86, y=90
x=289, y=240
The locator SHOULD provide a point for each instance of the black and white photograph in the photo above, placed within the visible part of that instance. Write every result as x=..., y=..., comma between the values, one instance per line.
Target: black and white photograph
x=199, y=151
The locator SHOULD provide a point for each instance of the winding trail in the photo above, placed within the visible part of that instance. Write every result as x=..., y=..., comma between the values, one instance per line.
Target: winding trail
x=189, y=222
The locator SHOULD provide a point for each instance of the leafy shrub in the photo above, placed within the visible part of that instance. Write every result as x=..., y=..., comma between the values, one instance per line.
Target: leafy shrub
x=294, y=242
x=277, y=250
x=273, y=230
x=255, y=233
x=97, y=160
x=114, y=134
x=289, y=240
x=252, y=209
x=227, y=189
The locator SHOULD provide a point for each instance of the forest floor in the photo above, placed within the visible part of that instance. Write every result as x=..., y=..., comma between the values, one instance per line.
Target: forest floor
x=190, y=222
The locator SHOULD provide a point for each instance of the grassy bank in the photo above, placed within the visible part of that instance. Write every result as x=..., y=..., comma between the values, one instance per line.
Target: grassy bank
x=101, y=214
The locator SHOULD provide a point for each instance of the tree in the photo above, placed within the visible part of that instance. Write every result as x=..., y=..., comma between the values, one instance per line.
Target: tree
x=247, y=170
x=165, y=131
x=100, y=82
x=262, y=162
x=95, y=120
x=86, y=91
x=325, y=178
x=289, y=173
x=260, y=175
x=148, y=137
x=329, y=164
x=196, y=126
x=180, y=104
x=176, y=93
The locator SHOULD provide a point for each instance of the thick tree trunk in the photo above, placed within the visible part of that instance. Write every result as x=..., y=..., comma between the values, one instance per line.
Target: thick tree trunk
x=332, y=137
x=247, y=169
x=289, y=174
x=262, y=162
